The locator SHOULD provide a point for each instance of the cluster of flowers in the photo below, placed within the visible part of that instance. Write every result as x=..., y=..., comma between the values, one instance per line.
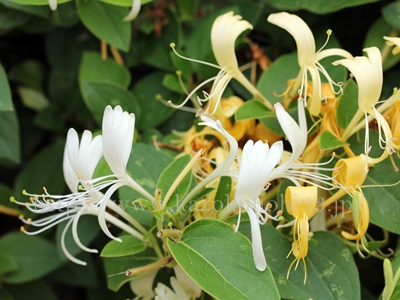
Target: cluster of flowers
x=254, y=168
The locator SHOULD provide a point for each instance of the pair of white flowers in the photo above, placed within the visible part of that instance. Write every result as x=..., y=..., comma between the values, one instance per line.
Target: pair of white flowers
x=80, y=161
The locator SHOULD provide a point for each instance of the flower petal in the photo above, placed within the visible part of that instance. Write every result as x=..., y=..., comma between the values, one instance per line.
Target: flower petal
x=256, y=241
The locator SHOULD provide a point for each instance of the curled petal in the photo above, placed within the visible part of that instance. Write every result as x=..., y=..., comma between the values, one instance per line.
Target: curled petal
x=134, y=12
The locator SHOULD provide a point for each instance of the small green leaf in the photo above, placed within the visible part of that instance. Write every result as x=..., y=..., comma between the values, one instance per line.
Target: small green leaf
x=34, y=256
x=129, y=246
x=105, y=21
x=94, y=69
x=391, y=15
x=221, y=262
x=329, y=142
x=222, y=196
x=348, y=104
x=5, y=93
x=33, y=99
x=170, y=175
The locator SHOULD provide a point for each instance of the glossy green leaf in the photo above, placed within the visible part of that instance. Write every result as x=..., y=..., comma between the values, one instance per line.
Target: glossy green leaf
x=129, y=246
x=105, y=21
x=34, y=256
x=348, y=104
x=316, y=6
x=330, y=142
x=116, y=267
x=225, y=259
x=43, y=170
x=331, y=270
x=169, y=176
x=390, y=13
x=98, y=95
x=5, y=93
x=145, y=165
x=94, y=69
x=147, y=92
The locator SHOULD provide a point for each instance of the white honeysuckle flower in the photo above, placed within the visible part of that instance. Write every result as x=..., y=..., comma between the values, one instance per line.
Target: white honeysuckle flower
x=53, y=4
x=368, y=73
x=256, y=164
x=224, y=33
x=142, y=286
x=134, y=12
x=308, y=58
x=192, y=289
x=176, y=293
x=291, y=168
x=393, y=41
x=117, y=129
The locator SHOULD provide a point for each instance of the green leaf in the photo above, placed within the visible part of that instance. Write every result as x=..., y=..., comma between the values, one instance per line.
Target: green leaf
x=390, y=13
x=105, y=21
x=34, y=256
x=222, y=196
x=29, y=73
x=331, y=270
x=98, y=95
x=43, y=170
x=129, y=246
x=94, y=69
x=9, y=137
x=316, y=6
x=33, y=99
x=29, y=9
x=7, y=263
x=125, y=3
x=252, y=109
x=37, y=290
x=145, y=166
x=146, y=92
x=116, y=267
x=273, y=81
x=5, y=93
x=168, y=177
x=221, y=262
x=329, y=142
x=38, y=2
x=348, y=104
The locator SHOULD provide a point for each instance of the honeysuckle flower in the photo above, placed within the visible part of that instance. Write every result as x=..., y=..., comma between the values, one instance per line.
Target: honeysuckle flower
x=308, y=58
x=369, y=76
x=256, y=164
x=296, y=134
x=142, y=286
x=393, y=41
x=360, y=212
x=183, y=287
x=53, y=4
x=351, y=172
x=80, y=160
x=301, y=204
x=134, y=12
x=224, y=32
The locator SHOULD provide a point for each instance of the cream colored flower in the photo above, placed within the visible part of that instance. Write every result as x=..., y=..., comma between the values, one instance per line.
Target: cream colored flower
x=308, y=58
x=393, y=41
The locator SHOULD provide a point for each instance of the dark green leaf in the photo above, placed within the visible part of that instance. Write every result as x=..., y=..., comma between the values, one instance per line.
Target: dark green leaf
x=9, y=137
x=391, y=15
x=348, y=104
x=5, y=93
x=223, y=194
x=105, y=21
x=37, y=290
x=10, y=18
x=253, y=109
x=7, y=263
x=225, y=259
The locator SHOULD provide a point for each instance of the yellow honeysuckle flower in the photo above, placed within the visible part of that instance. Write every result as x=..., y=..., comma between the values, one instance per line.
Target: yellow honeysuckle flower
x=301, y=203
x=369, y=76
x=393, y=41
x=224, y=32
x=351, y=172
x=308, y=58
x=360, y=210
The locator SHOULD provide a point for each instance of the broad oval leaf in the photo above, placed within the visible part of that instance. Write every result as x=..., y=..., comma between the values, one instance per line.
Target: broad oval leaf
x=221, y=262
x=105, y=21
x=348, y=104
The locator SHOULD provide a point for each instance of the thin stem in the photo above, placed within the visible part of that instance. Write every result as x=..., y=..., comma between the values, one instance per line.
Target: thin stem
x=126, y=216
